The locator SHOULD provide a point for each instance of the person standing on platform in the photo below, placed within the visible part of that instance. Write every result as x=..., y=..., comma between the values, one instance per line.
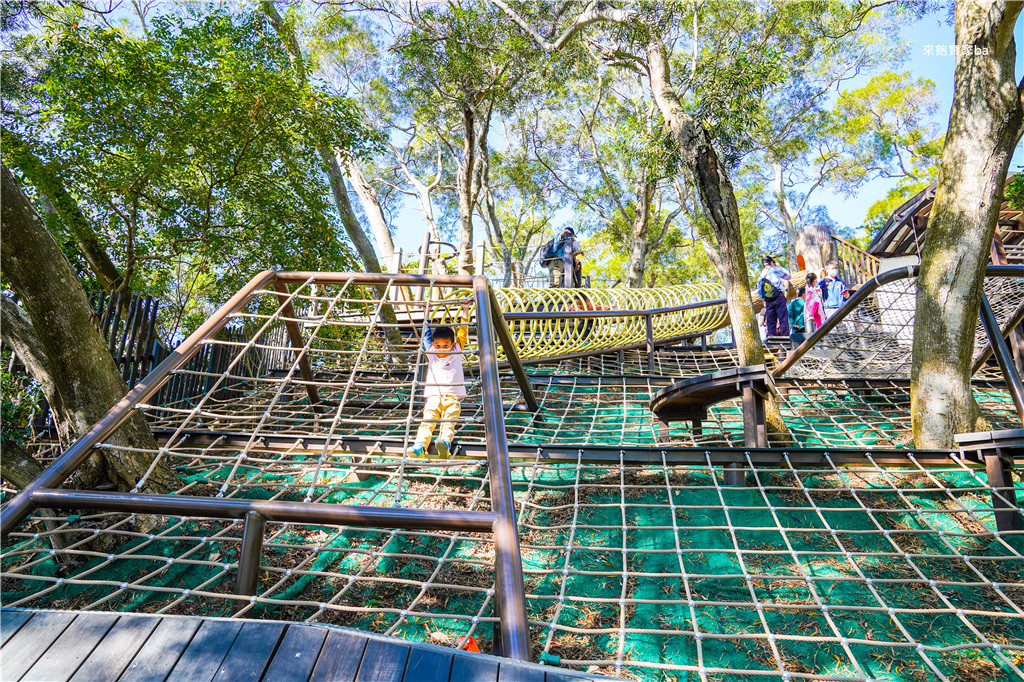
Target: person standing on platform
x=771, y=287
x=566, y=247
x=833, y=289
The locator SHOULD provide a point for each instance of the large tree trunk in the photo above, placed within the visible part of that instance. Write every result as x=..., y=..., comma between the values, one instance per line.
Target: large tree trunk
x=984, y=127
x=339, y=191
x=489, y=210
x=374, y=213
x=724, y=236
x=465, y=188
x=79, y=362
x=639, y=237
x=721, y=236
x=786, y=215
x=47, y=181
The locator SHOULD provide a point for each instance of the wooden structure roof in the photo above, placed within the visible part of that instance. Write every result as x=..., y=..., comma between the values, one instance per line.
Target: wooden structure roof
x=904, y=232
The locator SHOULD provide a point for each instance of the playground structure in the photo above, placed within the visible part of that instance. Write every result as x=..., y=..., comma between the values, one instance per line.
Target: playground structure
x=578, y=523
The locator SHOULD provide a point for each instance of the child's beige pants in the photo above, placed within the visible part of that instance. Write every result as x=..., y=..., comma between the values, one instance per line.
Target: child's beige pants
x=443, y=408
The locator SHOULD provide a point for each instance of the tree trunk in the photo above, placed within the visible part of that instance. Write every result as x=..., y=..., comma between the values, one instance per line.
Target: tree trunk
x=721, y=236
x=639, y=242
x=984, y=128
x=490, y=211
x=353, y=229
x=49, y=184
x=371, y=205
x=465, y=188
x=80, y=365
x=786, y=215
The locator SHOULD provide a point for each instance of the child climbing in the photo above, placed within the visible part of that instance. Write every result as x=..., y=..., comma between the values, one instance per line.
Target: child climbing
x=445, y=386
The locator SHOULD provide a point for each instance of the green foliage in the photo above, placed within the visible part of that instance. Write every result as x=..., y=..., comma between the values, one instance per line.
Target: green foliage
x=191, y=148
x=1015, y=192
x=18, y=398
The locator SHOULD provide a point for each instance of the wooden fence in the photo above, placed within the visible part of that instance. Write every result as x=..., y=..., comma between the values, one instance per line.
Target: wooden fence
x=128, y=323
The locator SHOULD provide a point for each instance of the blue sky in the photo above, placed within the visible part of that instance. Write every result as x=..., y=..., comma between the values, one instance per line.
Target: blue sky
x=928, y=32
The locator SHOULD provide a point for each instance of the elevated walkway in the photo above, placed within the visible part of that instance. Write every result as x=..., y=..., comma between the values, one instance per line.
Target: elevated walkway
x=58, y=646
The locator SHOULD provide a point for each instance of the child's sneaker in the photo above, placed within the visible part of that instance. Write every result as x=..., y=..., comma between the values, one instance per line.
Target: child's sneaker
x=443, y=448
x=415, y=451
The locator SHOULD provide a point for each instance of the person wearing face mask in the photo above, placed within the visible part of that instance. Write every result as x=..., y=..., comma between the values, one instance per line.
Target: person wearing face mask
x=833, y=289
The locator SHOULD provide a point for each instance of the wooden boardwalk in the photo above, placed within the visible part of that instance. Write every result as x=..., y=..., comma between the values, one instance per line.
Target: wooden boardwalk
x=58, y=646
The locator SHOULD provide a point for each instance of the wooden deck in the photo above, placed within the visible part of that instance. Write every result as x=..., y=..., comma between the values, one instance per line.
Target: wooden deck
x=57, y=646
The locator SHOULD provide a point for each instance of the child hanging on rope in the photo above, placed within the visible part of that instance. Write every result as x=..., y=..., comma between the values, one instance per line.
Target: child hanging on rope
x=445, y=386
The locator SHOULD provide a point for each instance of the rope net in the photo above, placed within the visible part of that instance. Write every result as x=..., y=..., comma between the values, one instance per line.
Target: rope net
x=875, y=339
x=655, y=572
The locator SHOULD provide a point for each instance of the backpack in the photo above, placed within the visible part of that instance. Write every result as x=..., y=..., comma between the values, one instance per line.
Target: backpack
x=766, y=290
x=548, y=254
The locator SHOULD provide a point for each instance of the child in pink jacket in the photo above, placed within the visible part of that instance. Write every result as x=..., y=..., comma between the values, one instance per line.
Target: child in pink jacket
x=814, y=309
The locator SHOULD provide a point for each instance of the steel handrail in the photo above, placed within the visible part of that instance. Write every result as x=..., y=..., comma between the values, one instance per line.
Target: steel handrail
x=869, y=288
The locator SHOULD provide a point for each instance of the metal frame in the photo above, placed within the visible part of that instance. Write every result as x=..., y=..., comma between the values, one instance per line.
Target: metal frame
x=510, y=597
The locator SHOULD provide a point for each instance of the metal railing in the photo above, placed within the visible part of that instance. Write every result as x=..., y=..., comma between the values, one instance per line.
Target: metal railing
x=501, y=522
x=995, y=335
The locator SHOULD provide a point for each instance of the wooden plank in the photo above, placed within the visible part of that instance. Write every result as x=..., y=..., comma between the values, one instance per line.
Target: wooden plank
x=473, y=669
x=201, y=660
x=10, y=622
x=23, y=649
x=427, y=664
x=516, y=671
x=339, y=658
x=383, y=661
x=109, y=659
x=74, y=645
x=296, y=655
x=161, y=651
x=249, y=655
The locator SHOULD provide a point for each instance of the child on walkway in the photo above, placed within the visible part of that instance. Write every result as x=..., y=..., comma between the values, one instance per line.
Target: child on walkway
x=814, y=312
x=445, y=386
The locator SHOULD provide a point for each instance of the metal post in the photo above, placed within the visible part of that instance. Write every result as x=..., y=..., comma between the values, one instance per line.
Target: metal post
x=249, y=557
x=424, y=263
x=295, y=338
x=1003, y=357
x=650, y=343
x=567, y=266
x=1004, y=496
x=481, y=258
x=507, y=342
x=510, y=594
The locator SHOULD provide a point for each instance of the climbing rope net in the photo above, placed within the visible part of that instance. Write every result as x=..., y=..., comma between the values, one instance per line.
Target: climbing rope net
x=849, y=568
x=875, y=339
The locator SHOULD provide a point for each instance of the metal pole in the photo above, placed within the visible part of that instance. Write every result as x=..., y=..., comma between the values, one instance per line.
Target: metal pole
x=512, y=355
x=295, y=338
x=1003, y=357
x=481, y=258
x=249, y=557
x=424, y=263
x=650, y=343
x=510, y=594
x=567, y=265
x=271, y=510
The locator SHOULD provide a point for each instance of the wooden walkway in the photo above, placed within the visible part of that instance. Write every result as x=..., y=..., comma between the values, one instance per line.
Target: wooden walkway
x=57, y=646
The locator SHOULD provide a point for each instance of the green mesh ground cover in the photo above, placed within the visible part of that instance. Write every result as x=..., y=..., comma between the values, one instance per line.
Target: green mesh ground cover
x=624, y=567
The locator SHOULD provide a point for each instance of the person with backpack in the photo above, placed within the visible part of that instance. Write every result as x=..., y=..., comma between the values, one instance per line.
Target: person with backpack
x=771, y=288
x=554, y=254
